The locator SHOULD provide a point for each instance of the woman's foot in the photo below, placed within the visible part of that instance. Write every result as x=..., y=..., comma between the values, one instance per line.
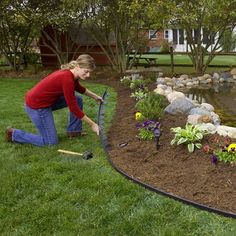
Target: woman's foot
x=8, y=135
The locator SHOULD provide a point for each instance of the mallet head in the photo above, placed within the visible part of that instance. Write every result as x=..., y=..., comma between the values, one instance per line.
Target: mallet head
x=87, y=155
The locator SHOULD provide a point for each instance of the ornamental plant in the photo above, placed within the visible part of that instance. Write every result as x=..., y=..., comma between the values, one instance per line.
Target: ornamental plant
x=190, y=136
x=138, y=84
x=225, y=151
x=148, y=130
x=139, y=94
x=126, y=80
x=225, y=156
x=152, y=106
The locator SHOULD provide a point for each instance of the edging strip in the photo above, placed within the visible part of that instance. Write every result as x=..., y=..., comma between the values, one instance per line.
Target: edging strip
x=104, y=142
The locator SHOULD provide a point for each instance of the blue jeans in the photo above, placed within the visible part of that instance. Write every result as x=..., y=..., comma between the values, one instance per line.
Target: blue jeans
x=44, y=122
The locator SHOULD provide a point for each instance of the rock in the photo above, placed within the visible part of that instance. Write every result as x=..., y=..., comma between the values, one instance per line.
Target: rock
x=159, y=91
x=215, y=118
x=160, y=81
x=207, y=76
x=174, y=95
x=205, y=119
x=207, y=107
x=199, y=111
x=225, y=75
x=226, y=131
x=189, y=84
x=233, y=71
x=196, y=82
x=216, y=76
x=184, y=77
x=208, y=127
x=193, y=119
x=179, y=106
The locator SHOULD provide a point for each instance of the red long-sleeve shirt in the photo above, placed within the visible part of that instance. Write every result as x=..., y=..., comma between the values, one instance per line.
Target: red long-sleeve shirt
x=57, y=84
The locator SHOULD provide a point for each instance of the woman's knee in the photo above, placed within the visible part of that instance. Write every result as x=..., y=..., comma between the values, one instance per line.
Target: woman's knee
x=50, y=142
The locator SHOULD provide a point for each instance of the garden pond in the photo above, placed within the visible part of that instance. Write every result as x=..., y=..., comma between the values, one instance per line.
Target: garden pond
x=221, y=96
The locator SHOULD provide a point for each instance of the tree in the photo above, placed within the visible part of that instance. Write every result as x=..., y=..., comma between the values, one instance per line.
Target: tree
x=61, y=27
x=20, y=24
x=119, y=26
x=228, y=41
x=196, y=17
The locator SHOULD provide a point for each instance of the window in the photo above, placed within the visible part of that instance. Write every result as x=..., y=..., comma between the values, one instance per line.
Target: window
x=196, y=35
x=166, y=35
x=205, y=39
x=175, y=39
x=178, y=36
x=181, y=36
x=152, y=34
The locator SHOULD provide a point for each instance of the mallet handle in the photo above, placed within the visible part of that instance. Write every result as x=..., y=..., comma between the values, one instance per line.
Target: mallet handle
x=69, y=152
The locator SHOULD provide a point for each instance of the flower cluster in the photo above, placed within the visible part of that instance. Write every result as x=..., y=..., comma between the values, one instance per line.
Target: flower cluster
x=148, y=129
x=225, y=152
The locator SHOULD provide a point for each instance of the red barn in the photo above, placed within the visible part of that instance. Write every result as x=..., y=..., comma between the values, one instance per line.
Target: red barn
x=68, y=45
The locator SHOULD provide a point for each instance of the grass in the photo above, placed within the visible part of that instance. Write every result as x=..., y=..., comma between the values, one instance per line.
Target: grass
x=46, y=193
x=162, y=59
x=183, y=63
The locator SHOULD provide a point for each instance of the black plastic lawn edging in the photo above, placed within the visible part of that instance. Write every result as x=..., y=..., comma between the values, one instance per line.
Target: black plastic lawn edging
x=104, y=142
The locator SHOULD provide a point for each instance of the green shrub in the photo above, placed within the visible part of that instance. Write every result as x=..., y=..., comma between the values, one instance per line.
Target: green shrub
x=165, y=47
x=152, y=106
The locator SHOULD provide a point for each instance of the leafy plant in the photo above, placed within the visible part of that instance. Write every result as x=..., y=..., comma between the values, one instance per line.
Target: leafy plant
x=148, y=129
x=126, y=80
x=152, y=106
x=145, y=134
x=138, y=84
x=138, y=94
x=190, y=136
x=226, y=157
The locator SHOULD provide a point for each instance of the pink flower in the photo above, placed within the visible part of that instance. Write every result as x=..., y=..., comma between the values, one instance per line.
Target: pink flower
x=206, y=148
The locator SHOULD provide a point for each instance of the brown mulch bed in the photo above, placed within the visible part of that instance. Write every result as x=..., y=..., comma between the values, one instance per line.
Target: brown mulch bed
x=171, y=168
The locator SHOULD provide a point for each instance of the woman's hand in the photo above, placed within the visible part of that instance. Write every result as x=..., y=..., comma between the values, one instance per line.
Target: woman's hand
x=95, y=128
x=99, y=100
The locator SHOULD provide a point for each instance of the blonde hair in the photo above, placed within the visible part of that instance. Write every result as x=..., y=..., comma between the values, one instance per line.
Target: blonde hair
x=84, y=61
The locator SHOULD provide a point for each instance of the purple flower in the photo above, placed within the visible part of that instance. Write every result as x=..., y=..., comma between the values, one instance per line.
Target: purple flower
x=139, y=125
x=150, y=125
x=214, y=159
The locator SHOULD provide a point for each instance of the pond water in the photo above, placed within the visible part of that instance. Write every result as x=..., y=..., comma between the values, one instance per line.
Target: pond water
x=221, y=96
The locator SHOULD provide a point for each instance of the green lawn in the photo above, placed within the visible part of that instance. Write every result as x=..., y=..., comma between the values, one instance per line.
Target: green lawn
x=46, y=193
x=220, y=60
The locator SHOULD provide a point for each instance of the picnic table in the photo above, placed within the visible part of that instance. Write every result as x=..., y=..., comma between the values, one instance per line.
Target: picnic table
x=142, y=60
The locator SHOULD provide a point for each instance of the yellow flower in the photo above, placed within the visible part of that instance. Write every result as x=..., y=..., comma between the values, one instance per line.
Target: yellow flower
x=138, y=115
x=232, y=147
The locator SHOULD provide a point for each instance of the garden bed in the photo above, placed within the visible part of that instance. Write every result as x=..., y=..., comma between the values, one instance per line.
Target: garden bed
x=171, y=169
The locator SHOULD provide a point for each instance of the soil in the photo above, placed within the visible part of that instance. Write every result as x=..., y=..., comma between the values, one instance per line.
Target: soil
x=172, y=169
